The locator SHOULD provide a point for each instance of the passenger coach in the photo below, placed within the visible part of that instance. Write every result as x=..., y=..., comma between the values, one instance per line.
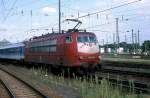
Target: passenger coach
x=12, y=51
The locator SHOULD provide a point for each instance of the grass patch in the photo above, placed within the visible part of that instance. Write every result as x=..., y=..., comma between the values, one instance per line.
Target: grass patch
x=94, y=88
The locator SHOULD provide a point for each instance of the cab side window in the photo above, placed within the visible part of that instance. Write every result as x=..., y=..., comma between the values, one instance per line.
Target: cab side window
x=68, y=39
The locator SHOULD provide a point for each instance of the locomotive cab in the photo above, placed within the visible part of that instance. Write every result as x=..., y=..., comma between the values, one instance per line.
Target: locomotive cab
x=88, y=49
x=81, y=49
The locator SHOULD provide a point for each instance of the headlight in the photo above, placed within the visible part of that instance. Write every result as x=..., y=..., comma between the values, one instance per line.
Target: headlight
x=99, y=57
x=91, y=57
x=81, y=57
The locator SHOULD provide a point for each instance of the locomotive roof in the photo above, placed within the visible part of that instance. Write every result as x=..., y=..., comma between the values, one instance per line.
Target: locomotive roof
x=55, y=34
x=12, y=45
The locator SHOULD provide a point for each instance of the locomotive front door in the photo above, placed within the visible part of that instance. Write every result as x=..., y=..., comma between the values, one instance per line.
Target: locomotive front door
x=68, y=51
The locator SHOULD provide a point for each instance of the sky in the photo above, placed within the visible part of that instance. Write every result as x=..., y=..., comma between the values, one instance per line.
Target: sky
x=23, y=19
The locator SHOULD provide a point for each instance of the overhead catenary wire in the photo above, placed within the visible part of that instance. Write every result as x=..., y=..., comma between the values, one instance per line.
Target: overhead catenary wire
x=109, y=9
x=27, y=11
x=3, y=8
x=121, y=13
x=100, y=25
x=29, y=4
x=48, y=26
x=93, y=9
x=94, y=26
x=7, y=15
x=97, y=12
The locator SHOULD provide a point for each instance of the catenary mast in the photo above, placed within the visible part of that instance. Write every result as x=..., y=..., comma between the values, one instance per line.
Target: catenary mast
x=59, y=16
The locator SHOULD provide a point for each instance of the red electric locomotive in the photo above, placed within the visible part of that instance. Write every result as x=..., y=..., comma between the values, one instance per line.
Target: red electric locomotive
x=74, y=48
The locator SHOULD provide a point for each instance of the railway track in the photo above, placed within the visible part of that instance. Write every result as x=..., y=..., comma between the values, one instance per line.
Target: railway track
x=27, y=76
x=136, y=68
x=126, y=80
x=131, y=71
x=5, y=92
x=137, y=84
x=126, y=74
x=13, y=87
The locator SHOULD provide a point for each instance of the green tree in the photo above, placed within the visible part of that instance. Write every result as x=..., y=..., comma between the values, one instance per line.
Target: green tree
x=146, y=46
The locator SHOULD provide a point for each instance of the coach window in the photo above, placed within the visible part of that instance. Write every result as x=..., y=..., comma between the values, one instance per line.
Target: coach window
x=68, y=39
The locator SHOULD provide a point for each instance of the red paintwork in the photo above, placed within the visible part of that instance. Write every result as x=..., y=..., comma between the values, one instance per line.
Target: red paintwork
x=66, y=53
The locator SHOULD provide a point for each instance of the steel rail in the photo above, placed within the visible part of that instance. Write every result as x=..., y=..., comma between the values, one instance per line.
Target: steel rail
x=40, y=93
x=10, y=92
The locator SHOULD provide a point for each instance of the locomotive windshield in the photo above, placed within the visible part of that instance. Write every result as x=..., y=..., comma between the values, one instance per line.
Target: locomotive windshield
x=83, y=39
